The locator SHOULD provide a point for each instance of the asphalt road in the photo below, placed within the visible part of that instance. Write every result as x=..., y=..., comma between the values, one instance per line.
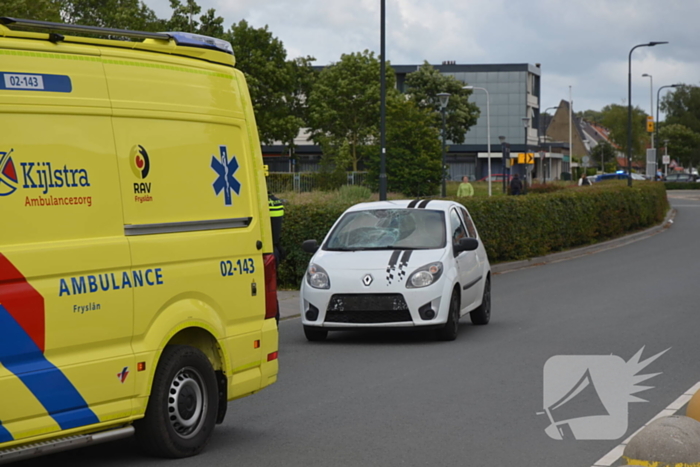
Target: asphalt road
x=402, y=399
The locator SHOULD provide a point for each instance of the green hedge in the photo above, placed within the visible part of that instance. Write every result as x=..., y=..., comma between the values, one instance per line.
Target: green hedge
x=682, y=185
x=512, y=227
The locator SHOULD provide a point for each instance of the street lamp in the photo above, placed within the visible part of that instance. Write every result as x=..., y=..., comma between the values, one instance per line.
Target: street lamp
x=629, y=107
x=656, y=127
x=444, y=99
x=526, y=124
x=503, y=159
x=651, y=101
x=488, y=130
x=541, y=138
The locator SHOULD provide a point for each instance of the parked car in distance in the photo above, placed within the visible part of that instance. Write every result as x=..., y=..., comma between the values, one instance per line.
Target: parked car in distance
x=681, y=177
x=397, y=264
x=612, y=176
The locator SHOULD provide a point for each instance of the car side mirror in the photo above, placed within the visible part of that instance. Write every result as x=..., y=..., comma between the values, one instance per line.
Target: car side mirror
x=467, y=244
x=310, y=246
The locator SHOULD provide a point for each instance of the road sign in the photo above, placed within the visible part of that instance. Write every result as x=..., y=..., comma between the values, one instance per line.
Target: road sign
x=666, y=159
x=650, y=124
x=585, y=161
x=526, y=158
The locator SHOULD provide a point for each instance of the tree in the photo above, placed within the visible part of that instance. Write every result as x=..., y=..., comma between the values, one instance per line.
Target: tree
x=682, y=106
x=276, y=85
x=211, y=25
x=184, y=16
x=683, y=143
x=414, y=151
x=120, y=14
x=614, y=117
x=423, y=88
x=41, y=10
x=604, y=151
x=591, y=116
x=344, y=107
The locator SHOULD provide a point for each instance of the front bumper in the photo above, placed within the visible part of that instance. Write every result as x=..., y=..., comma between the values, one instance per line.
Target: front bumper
x=397, y=307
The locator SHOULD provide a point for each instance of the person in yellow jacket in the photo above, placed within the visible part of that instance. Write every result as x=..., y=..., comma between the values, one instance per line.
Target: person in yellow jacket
x=465, y=188
x=276, y=207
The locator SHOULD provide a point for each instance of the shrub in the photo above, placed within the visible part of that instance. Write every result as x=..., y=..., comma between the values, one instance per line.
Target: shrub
x=511, y=227
x=538, y=188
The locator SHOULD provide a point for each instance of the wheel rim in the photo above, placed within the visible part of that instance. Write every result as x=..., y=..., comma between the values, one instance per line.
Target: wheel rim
x=187, y=402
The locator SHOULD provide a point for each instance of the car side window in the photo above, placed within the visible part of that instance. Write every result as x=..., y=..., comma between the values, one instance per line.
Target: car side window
x=458, y=230
x=468, y=221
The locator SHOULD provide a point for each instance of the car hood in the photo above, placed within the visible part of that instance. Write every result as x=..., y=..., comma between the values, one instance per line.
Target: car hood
x=376, y=260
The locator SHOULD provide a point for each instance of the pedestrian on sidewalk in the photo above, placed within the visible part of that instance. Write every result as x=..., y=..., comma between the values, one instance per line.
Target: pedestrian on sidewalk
x=465, y=188
x=516, y=185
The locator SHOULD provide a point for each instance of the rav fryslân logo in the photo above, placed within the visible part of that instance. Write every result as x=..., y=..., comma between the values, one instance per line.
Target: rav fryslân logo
x=141, y=166
x=226, y=181
x=586, y=397
x=8, y=174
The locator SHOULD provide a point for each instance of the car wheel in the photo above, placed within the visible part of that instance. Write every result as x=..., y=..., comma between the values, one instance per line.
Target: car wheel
x=314, y=334
x=482, y=315
x=182, y=408
x=449, y=331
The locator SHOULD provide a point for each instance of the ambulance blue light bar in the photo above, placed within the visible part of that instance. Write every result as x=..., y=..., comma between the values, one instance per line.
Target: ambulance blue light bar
x=196, y=40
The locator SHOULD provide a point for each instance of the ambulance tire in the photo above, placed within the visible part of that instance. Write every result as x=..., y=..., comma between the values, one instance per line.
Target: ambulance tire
x=182, y=408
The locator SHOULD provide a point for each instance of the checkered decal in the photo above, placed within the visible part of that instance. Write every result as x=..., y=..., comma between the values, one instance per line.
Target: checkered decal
x=403, y=265
x=391, y=267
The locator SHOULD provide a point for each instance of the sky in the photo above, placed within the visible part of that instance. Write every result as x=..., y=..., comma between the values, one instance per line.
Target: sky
x=579, y=44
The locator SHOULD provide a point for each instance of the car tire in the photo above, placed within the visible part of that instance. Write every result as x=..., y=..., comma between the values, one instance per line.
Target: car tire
x=314, y=334
x=449, y=331
x=182, y=407
x=482, y=315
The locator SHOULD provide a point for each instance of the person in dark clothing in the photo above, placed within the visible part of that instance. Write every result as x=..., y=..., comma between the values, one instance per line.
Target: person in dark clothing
x=516, y=185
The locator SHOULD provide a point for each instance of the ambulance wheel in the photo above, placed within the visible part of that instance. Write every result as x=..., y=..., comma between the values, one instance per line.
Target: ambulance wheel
x=182, y=408
x=482, y=315
x=451, y=328
x=314, y=334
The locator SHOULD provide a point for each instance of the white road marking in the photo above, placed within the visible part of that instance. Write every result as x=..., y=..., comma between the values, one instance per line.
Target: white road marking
x=611, y=457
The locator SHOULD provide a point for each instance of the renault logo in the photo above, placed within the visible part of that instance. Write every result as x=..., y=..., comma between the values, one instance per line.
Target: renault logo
x=367, y=280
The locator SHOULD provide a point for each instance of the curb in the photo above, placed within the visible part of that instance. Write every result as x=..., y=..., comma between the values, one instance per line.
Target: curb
x=502, y=268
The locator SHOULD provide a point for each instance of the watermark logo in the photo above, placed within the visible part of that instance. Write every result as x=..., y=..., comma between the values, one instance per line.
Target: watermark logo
x=8, y=174
x=586, y=397
x=226, y=181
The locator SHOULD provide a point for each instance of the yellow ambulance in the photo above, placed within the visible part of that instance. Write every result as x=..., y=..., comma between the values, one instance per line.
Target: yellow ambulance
x=137, y=281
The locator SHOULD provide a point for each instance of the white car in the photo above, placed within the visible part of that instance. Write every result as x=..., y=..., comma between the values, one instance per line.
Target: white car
x=392, y=264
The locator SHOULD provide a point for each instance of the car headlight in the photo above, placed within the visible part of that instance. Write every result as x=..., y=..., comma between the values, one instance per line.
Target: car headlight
x=424, y=276
x=317, y=277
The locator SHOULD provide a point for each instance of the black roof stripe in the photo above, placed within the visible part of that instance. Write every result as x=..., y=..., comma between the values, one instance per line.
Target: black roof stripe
x=423, y=204
x=413, y=203
x=394, y=258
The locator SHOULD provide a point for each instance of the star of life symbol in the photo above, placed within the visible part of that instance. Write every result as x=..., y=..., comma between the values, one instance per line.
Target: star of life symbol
x=367, y=280
x=586, y=397
x=226, y=181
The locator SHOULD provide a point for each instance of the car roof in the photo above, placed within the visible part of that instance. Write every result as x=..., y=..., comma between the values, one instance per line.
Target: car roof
x=433, y=204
